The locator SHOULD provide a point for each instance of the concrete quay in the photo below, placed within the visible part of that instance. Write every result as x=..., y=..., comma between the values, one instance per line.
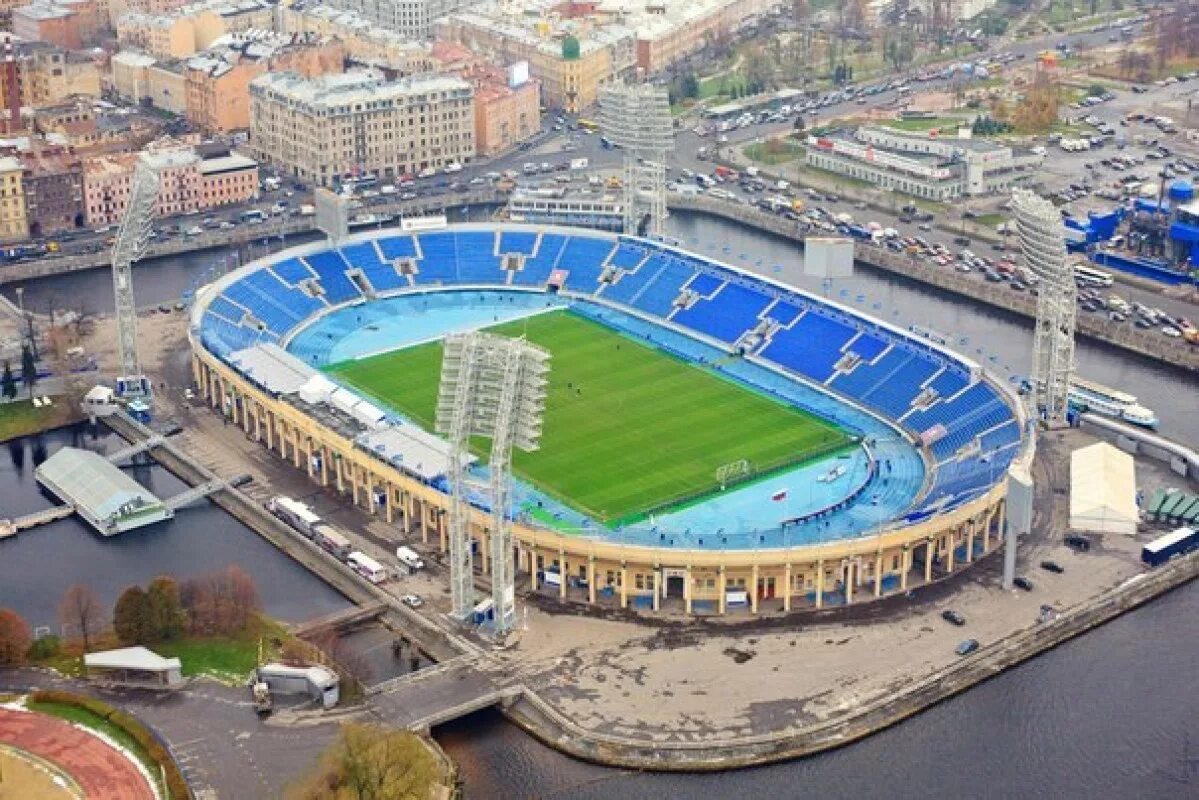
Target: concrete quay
x=1150, y=344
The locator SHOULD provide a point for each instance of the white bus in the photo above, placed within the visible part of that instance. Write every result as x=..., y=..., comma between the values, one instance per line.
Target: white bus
x=331, y=541
x=367, y=567
x=1089, y=276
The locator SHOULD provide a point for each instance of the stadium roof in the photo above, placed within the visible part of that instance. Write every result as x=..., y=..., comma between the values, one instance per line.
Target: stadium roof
x=409, y=448
x=273, y=368
x=102, y=494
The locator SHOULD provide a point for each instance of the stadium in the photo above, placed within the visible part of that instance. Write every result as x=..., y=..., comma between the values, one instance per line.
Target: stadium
x=712, y=438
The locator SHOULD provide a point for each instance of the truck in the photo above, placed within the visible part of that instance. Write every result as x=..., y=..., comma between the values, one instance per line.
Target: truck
x=409, y=558
x=1162, y=549
x=294, y=513
x=579, y=163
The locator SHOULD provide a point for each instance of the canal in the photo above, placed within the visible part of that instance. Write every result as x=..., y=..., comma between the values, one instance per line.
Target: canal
x=38, y=565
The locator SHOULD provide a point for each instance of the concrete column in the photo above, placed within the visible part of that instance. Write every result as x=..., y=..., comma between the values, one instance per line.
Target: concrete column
x=563, y=574
x=439, y=523
x=324, y=465
x=849, y=582
x=753, y=589
x=722, y=599
x=787, y=587
x=657, y=588
x=970, y=541
x=258, y=412
x=533, y=568
x=389, y=508
x=952, y=535
x=338, y=466
x=820, y=583
x=624, y=587
x=878, y=574
x=591, y=580
x=905, y=563
x=688, y=590
x=368, y=481
x=246, y=405
x=485, y=551
x=270, y=430
x=928, y=560
x=309, y=468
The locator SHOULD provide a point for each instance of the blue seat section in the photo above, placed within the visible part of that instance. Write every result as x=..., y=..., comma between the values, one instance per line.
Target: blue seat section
x=865, y=377
x=538, y=268
x=867, y=346
x=224, y=308
x=658, y=296
x=331, y=268
x=292, y=271
x=439, y=259
x=517, y=242
x=949, y=382
x=278, y=306
x=947, y=413
x=893, y=395
x=811, y=347
x=477, y=262
x=361, y=255
x=728, y=315
x=222, y=337
x=784, y=313
x=630, y=284
x=398, y=247
x=583, y=257
x=1005, y=434
x=627, y=255
x=704, y=284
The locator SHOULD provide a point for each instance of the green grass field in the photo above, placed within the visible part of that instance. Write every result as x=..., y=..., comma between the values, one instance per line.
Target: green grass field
x=628, y=429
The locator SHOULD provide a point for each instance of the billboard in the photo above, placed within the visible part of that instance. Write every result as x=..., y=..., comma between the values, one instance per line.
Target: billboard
x=828, y=257
x=518, y=74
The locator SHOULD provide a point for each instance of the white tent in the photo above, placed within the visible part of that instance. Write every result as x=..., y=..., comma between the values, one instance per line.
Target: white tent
x=1103, y=490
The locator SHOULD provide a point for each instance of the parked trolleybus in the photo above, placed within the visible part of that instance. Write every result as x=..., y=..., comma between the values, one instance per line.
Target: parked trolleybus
x=367, y=567
x=332, y=541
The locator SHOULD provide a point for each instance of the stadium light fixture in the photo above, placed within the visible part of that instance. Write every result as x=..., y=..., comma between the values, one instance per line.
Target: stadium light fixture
x=494, y=387
x=637, y=119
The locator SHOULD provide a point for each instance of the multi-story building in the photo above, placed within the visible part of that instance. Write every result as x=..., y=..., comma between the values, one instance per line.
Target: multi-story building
x=412, y=18
x=936, y=168
x=571, y=59
x=218, y=80
x=365, y=42
x=13, y=225
x=187, y=182
x=329, y=128
x=79, y=125
x=189, y=29
x=507, y=102
x=53, y=184
x=48, y=22
x=50, y=75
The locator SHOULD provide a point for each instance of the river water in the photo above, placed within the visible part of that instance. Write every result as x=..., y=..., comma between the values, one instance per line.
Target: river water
x=38, y=565
x=1111, y=714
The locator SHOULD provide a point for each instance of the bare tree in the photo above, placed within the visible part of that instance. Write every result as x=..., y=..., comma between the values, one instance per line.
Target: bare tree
x=80, y=608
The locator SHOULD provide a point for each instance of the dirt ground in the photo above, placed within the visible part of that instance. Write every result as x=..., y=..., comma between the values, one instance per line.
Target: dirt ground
x=21, y=778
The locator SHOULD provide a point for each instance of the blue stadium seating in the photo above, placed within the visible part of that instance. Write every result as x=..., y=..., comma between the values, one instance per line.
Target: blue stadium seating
x=949, y=382
x=628, y=255
x=538, y=268
x=439, y=259
x=784, y=313
x=224, y=308
x=583, y=257
x=810, y=347
x=867, y=346
x=292, y=271
x=331, y=268
x=394, y=247
x=477, y=262
x=727, y=316
x=382, y=276
x=517, y=242
x=704, y=284
x=657, y=297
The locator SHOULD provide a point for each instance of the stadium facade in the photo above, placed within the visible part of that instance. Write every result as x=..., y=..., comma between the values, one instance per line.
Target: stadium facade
x=964, y=427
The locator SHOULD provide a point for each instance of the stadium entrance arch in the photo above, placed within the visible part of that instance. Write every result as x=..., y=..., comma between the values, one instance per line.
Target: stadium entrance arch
x=675, y=584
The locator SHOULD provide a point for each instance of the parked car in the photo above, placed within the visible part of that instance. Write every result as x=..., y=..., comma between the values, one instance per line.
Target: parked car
x=1078, y=542
x=949, y=615
x=412, y=600
x=967, y=647
x=1052, y=566
x=1021, y=582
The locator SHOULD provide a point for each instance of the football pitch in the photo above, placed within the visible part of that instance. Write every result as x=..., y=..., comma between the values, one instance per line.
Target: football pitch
x=628, y=429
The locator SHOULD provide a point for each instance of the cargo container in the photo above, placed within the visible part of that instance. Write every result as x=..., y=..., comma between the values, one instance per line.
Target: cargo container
x=1162, y=549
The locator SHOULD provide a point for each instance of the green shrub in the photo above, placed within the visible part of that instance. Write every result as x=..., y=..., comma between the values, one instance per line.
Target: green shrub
x=45, y=647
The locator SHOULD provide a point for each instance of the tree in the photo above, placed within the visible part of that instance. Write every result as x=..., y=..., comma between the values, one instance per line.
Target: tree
x=221, y=602
x=81, y=609
x=8, y=384
x=14, y=638
x=28, y=368
x=689, y=84
x=131, y=616
x=165, y=608
x=371, y=762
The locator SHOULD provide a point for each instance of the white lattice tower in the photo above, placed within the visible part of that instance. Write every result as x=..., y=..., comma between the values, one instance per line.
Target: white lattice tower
x=637, y=118
x=132, y=237
x=491, y=386
x=1043, y=246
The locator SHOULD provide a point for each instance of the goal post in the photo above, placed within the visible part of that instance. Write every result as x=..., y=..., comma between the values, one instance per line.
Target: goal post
x=732, y=472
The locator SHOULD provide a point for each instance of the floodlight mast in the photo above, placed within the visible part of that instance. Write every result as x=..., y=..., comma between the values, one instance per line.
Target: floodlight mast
x=637, y=118
x=490, y=386
x=132, y=237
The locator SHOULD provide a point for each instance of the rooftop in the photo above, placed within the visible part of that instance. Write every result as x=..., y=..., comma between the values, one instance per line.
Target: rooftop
x=229, y=163
x=341, y=89
x=138, y=658
x=102, y=494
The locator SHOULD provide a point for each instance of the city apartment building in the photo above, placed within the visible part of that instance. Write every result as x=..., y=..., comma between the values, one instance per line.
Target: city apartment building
x=366, y=43
x=13, y=225
x=50, y=75
x=412, y=18
x=329, y=128
x=48, y=22
x=53, y=184
x=507, y=102
x=935, y=168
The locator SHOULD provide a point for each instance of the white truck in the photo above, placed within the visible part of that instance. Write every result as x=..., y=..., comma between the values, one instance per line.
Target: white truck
x=579, y=163
x=409, y=558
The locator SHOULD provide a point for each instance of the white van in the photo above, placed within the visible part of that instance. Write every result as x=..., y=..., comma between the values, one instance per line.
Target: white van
x=367, y=567
x=409, y=558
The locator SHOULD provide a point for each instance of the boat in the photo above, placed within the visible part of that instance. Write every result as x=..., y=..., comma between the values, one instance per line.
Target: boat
x=1095, y=397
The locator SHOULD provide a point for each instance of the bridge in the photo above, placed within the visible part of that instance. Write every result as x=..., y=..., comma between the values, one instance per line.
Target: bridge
x=340, y=620
x=135, y=448
x=11, y=527
x=442, y=693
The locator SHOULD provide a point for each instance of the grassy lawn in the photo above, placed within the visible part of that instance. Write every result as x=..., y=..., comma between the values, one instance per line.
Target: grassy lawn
x=721, y=85
x=627, y=428
x=778, y=151
x=20, y=418
x=89, y=719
